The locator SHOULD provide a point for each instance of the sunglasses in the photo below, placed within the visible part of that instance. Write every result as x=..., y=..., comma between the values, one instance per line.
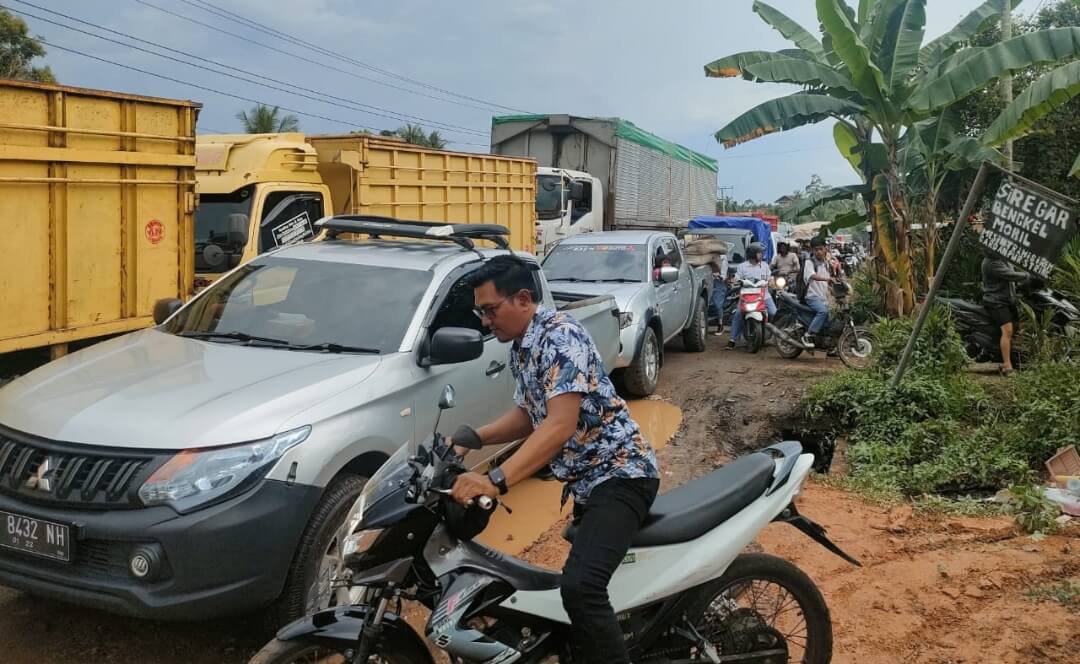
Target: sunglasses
x=488, y=310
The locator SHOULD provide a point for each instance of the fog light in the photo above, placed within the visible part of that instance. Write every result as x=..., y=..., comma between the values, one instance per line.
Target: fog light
x=144, y=563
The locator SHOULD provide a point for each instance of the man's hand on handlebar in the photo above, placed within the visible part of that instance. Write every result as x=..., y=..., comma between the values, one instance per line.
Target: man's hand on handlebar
x=469, y=486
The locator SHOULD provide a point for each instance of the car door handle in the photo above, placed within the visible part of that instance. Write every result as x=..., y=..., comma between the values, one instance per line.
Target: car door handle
x=495, y=368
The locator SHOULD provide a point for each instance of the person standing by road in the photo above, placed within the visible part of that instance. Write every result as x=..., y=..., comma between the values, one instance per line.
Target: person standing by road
x=999, y=299
x=573, y=421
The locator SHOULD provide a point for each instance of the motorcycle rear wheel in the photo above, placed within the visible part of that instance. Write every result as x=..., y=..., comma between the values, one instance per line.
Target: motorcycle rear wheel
x=759, y=599
x=755, y=334
x=784, y=349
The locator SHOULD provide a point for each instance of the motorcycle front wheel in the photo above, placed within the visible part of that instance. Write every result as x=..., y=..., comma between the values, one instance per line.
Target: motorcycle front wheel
x=855, y=347
x=784, y=349
x=755, y=334
x=765, y=609
x=312, y=650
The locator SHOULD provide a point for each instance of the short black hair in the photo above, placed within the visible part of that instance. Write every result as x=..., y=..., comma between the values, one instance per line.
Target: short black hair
x=508, y=273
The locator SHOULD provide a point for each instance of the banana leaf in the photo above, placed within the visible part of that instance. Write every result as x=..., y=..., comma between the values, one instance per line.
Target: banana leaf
x=966, y=152
x=981, y=18
x=978, y=71
x=898, y=53
x=790, y=29
x=842, y=221
x=873, y=33
x=1051, y=91
x=736, y=64
x=804, y=205
x=1075, y=172
x=866, y=8
x=847, y=142
x=800, y=72
x=883, y=223
x=801, y=108
x=869, y=80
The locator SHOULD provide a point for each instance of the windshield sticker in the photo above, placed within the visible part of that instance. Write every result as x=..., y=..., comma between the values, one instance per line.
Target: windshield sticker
x=603, y=247
x=294, y=230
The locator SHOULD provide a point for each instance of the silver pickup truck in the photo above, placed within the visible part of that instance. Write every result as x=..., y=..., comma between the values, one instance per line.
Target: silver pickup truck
x=206, y=466
x=659, y=294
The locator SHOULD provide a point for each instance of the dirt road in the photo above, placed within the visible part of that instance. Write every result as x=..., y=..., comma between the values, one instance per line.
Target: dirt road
x=931, y=590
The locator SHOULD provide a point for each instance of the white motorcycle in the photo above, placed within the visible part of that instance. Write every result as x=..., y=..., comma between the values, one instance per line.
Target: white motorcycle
x=685, y=593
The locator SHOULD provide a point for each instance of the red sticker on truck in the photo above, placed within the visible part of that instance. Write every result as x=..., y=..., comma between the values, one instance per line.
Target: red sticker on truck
x=155, y=231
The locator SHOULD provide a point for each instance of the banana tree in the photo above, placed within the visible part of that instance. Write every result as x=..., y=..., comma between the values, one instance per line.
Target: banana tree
x=871, y=71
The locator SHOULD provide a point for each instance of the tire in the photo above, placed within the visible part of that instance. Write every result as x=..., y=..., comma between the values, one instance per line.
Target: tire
x=644, y=372
x=755, y=334
x=855, y=347
x=327, y=519
x=762, y=567
x=307, y=650
x=694, y=335
x=784, y=349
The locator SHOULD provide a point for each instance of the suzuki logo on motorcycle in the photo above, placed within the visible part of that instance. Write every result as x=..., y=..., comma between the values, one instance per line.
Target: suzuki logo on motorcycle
x=43, y=477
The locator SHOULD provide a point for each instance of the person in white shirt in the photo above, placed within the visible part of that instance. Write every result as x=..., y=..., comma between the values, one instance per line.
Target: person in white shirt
x=752, y=269
x=817, y=276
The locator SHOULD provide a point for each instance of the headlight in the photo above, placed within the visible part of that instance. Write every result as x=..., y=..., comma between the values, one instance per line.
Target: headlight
x=626, y=319
x=360, y=542
x=781, y=282
x=193, y=478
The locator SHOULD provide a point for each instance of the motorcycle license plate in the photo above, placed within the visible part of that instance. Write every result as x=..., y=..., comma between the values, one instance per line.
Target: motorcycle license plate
x=36, y=537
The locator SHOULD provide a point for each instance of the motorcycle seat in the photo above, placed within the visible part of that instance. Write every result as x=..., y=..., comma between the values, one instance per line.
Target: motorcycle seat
x=790, y=300
x=693, y=509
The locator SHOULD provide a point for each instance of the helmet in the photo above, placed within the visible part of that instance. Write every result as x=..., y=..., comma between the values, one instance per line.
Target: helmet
x=755, y=249
x=817, y=242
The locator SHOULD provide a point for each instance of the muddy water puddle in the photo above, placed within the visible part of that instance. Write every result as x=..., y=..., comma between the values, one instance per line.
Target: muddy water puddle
x=535, y=502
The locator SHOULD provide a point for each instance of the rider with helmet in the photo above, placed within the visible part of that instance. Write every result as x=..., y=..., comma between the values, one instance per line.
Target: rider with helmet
x=817, y=275
x=752, y=269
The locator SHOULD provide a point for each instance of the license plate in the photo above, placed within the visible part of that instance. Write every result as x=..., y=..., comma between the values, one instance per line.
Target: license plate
x=35, y=536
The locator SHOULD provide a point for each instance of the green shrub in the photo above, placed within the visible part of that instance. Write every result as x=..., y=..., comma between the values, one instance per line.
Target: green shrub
x=939, y=349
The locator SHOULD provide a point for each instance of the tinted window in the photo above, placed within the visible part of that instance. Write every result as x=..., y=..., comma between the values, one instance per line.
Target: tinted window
x=309, y=302
x=596, y=262
x=287, y=218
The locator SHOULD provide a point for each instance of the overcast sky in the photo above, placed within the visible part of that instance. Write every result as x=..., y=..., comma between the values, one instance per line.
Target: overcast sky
x=638, y=60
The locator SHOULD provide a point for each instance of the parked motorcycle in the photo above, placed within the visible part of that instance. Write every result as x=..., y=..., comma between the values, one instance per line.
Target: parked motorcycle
x=982, y=335
x=852, y=343
x=684, y=594
x=754, y=311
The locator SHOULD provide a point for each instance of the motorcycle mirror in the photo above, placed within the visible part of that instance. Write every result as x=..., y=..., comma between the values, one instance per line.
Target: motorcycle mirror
x=447, y=401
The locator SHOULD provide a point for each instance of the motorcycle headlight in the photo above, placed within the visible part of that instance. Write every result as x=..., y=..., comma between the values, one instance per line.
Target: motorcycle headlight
x=781, y=282
x=195, y=478
x=360, y=542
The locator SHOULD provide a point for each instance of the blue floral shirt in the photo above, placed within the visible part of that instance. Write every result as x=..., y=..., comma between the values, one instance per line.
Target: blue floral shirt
x=557, y=356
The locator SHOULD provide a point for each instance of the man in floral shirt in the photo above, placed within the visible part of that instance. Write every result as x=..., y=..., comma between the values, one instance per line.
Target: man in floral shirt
x=571, y=419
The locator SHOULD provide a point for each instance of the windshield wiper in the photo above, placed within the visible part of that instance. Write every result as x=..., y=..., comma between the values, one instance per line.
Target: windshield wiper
x=618, y=280
x=335, y=348
x=238, y=336
x=571, y=279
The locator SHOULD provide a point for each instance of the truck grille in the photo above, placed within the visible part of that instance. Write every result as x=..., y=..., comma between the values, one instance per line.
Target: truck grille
x=78, y=476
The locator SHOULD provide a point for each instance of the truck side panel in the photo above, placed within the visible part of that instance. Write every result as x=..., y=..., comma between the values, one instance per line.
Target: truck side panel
x=368, y=175
x=97, y=193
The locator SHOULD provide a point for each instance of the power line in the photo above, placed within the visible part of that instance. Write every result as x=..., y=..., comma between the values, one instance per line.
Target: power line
x=389, y=114
x=305, y=59
x=53, y=44
x=237, y=18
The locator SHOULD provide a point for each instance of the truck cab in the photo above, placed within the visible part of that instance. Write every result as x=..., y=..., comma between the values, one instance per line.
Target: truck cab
x=567, y=203
x=256, y=192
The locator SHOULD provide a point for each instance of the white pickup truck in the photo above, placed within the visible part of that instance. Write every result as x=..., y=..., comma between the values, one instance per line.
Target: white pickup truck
x=206, y=466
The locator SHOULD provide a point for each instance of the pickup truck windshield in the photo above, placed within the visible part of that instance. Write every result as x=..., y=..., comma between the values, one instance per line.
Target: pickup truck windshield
x=549, y=196
x=596, y=262
x=281, y=303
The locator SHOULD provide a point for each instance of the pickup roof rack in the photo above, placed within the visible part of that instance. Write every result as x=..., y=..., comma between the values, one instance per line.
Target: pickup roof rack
x=372, y=226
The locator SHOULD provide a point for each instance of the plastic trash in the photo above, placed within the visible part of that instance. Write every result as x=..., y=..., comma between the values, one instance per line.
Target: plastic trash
x=1068, y=501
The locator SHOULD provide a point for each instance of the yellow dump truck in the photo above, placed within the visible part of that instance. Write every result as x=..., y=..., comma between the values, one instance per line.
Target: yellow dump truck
x=97, y=193
x=260, y=191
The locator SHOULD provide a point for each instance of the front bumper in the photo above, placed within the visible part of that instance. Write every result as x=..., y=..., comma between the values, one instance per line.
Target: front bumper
x=225, y=559
x=629, y=339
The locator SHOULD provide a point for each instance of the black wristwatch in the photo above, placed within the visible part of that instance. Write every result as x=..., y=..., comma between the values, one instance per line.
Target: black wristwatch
x=498, y=479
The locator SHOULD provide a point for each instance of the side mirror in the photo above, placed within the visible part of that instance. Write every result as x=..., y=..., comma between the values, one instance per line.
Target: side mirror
x=669, y=274
x=446, y=402
x=238, y=229
x=577, y=191
x=164, y=309
x=454, y=345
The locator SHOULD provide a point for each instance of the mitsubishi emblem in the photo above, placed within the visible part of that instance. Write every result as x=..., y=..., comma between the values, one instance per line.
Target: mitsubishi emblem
x=43, y=476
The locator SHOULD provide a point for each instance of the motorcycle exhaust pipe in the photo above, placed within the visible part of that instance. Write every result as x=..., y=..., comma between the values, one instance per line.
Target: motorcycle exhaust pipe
x=785, y=337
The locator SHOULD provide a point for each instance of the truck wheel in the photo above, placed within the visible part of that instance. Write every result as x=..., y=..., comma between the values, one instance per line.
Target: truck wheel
x=318, y=556
x=693, y=336
x=643, y=373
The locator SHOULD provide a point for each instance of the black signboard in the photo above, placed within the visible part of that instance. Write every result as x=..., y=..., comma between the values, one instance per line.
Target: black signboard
x=1029, y=225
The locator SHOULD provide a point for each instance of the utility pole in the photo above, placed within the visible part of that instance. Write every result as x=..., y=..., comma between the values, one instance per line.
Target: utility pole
x=1007, y=80
x=723, y=198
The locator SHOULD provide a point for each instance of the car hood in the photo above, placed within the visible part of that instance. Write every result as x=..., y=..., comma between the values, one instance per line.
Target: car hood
x=622, y=293
x=154, y=390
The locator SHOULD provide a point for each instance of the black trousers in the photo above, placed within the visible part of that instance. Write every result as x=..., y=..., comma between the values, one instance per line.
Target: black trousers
x=607, y=523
